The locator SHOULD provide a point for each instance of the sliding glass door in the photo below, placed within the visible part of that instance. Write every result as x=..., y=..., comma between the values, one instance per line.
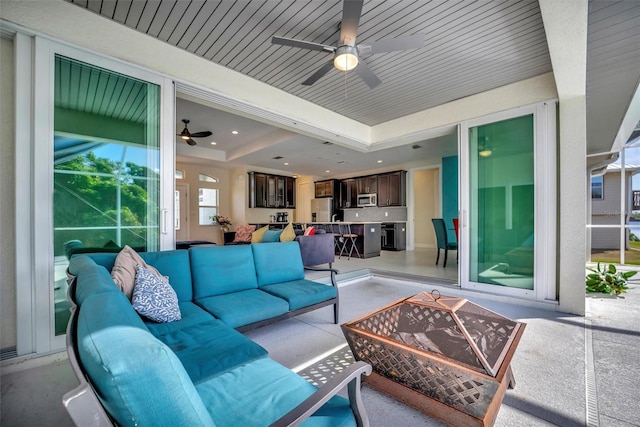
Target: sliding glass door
x=507, y=166
x=96, y=168
x=106, y=163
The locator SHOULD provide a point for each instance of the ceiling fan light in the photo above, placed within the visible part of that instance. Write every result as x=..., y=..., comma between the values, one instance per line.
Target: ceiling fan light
x=346, y=58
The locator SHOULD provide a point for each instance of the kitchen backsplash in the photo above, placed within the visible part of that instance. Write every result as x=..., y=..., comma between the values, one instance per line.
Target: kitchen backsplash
x=376, y=214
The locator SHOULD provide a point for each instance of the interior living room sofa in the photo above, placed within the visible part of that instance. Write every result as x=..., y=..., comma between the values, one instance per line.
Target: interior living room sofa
x=199, y=370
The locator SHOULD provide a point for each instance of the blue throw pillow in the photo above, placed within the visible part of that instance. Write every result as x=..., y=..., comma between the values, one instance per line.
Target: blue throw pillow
x=154, y=298
x=270, y=236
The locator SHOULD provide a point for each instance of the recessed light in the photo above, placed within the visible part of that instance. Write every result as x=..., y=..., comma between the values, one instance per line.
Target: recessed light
x=379, y=161
x=286, y=163
x=235, y=132
x=213, y=143
x=327, y=171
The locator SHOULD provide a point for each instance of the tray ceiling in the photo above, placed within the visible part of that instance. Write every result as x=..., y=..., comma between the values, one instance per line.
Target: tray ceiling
x=470, y=47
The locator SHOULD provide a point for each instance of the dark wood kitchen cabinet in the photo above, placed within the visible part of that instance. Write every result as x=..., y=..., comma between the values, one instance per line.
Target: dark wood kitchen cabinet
x=392, y=189
x=271, y=191
x=368, y=184
x=349, y=193
x=328, y=188
x=290, y=192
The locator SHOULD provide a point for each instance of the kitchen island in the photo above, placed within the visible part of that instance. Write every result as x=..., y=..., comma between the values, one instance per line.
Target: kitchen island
x=367, y=242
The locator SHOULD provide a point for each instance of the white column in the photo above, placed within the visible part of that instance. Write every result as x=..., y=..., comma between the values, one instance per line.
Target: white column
x=565, y=24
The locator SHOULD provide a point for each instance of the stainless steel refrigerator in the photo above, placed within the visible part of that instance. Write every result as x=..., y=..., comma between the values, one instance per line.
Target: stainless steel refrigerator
x=321, y=209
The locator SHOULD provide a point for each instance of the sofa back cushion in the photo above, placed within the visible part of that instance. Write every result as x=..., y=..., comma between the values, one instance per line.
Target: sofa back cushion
x=91, y=278
x=175, y=265
x=139, y=380
x=218, y=270
x=278, y=262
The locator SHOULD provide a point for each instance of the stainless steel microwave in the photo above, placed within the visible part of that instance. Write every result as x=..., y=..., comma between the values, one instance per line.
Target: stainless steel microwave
x=365, y=200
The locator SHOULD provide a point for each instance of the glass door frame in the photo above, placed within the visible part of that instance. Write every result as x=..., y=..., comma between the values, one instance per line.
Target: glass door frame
x=545, y=185
x=34, y=173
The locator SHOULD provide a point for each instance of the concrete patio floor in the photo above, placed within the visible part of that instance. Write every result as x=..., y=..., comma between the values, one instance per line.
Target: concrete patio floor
x=570, y=370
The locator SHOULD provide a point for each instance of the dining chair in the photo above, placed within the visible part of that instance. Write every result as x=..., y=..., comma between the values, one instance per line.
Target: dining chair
x=442, y=240
x=456, y=224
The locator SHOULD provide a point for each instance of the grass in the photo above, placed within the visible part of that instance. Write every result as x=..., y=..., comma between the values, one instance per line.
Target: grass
x=631, y=257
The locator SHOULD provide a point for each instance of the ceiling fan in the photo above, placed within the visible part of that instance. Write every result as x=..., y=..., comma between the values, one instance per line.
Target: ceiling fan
x=186, y=135
x=347, y=56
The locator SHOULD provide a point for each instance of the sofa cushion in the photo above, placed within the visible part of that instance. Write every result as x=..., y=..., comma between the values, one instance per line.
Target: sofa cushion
x=242, y=308
x=217, y=270
x=94, y=278
x=211, y=348
x=154, y=298
x=243, y=233
x=301, y=293
x=256, y=237
x=271, y=236
x=124, y=270
x=259, y=393
x=101, y=258
x=278, y=263
x=140, y=381
x=191, y=313
x=175, y=265
x=288, y=234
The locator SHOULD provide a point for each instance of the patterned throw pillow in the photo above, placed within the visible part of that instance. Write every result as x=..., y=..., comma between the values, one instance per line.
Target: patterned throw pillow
x=310, y=231
x=243, y=233
x=154, y=298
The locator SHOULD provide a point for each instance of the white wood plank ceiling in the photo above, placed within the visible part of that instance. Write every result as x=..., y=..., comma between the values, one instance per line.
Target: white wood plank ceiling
x=470, y=47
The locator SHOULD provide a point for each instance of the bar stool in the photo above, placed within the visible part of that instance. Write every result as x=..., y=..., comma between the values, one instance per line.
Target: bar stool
x=350, y=241
x=338, y=240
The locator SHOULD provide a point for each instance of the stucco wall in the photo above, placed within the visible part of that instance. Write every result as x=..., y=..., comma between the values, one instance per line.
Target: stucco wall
x=7, y=195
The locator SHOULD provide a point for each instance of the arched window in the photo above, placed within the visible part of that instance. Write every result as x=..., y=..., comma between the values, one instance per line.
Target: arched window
x=206, y=178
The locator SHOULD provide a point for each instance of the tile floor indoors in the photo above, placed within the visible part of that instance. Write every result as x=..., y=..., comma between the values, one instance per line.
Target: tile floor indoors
x=570, y=370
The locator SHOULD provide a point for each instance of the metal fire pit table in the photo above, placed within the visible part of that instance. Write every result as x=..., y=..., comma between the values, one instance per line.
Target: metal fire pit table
x=445, y=356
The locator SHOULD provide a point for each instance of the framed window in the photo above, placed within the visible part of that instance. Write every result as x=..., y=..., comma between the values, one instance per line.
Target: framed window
x=597, y=187
x=179, y=174
x=207, y=204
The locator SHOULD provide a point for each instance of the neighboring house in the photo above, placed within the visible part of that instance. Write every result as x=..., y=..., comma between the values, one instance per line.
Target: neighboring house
x=606, y=205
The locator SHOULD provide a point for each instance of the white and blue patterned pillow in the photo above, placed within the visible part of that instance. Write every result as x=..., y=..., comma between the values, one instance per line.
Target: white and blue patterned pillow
x=154, y=298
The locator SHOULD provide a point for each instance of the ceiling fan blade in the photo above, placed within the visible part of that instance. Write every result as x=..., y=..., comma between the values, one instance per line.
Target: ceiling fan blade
x=201, y=134
x=351, y=10
x=367, y=75
x=302, y=44
x=319, y=74
x=190, y=141
x=415, y=41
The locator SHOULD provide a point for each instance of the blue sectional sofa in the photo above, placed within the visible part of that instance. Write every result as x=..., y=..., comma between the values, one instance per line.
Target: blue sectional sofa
x=199, y=370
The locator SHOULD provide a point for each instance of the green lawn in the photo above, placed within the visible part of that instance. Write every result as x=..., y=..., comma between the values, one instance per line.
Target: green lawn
x=631, y=256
